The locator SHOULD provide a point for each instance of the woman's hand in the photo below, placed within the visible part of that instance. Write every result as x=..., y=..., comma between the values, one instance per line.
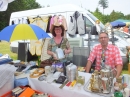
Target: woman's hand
x=65, y=51
x=54, y=56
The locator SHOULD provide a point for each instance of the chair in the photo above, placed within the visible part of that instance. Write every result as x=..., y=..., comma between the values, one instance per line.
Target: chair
x=74, y=42
x=80, y=56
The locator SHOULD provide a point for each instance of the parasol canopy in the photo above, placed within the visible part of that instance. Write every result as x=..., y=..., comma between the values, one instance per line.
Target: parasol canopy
x=22, y=32
x=117, y=24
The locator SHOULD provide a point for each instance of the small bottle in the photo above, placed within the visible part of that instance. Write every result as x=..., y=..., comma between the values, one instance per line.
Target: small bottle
x=77, y=74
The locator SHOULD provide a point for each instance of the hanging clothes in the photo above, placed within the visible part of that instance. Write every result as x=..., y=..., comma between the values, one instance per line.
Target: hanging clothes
x=77, y=24
x=16, y=21
x=72, y=26
x=51, y=23
x=36, y=46
x=81, y=24
x=23, y=21
x=19, y=21
x=48, y=24
x=44, y=54
x=40, y=21
x=59, y=19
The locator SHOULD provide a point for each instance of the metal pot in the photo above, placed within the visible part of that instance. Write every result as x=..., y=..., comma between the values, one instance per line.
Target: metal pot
x=108, y=72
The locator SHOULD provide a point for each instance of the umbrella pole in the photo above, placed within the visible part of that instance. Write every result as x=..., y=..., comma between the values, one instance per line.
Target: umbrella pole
x=26, y=51
x=39, y=61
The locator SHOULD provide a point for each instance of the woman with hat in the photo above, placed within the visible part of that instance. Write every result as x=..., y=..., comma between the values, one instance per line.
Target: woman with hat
x=58, y=41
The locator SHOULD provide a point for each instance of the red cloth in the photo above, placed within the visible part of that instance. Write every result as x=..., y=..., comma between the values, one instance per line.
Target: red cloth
x=112, y=56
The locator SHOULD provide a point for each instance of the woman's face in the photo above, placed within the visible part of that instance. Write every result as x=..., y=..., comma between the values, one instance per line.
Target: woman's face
x=58, y=30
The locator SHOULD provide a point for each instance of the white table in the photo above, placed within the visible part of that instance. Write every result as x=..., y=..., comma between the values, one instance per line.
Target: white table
x=54, y=90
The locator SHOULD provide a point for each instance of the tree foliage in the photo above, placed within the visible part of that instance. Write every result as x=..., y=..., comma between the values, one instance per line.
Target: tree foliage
x=109, y=18
x=17, y=5
x=127, y=17
x=103, y=4
x=20, y=5
x=116, y=15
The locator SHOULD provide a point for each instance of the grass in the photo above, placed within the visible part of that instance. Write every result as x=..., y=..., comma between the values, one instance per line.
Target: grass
x=5, y=49
x=125, y=72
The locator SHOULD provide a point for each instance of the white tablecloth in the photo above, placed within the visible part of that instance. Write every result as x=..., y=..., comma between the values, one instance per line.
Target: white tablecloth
x=54, y=90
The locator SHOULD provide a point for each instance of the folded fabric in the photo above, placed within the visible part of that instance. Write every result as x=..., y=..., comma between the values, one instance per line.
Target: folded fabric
x=22, y=75
x=6, y=73
x=57, y=65
x=5, y=60
x=5, y=56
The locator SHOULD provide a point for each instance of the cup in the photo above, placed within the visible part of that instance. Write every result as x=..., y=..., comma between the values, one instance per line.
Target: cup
x=47, y=70
x=126, y=79
x=53, y=69
x=79, y=85
x=105, y=84
x=105, y=73
x=49, y=78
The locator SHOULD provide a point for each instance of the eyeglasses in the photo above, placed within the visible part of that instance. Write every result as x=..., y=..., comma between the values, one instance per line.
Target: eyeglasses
x=103, y=37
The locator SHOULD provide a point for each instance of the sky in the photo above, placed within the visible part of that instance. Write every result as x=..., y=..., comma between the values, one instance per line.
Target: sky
x=117, y=5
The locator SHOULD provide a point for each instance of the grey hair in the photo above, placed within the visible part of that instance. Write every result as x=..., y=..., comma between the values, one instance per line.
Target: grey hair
x=103, y=33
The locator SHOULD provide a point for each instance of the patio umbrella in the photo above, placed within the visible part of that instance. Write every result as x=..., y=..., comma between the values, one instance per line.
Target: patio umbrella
x=22, y=32
x=124, y=21
x=117, y=24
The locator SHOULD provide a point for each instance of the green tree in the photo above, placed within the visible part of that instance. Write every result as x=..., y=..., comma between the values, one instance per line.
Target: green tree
x=127, y=17
x=17, y=5
x=116, y=15
x=103, y=4
x=98, y=14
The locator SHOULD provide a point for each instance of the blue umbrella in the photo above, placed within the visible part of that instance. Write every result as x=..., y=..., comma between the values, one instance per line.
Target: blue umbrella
x=117, y=24
x=22, y=32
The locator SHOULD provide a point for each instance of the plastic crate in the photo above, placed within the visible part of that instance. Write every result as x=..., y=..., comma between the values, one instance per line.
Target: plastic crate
x=9, y=94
